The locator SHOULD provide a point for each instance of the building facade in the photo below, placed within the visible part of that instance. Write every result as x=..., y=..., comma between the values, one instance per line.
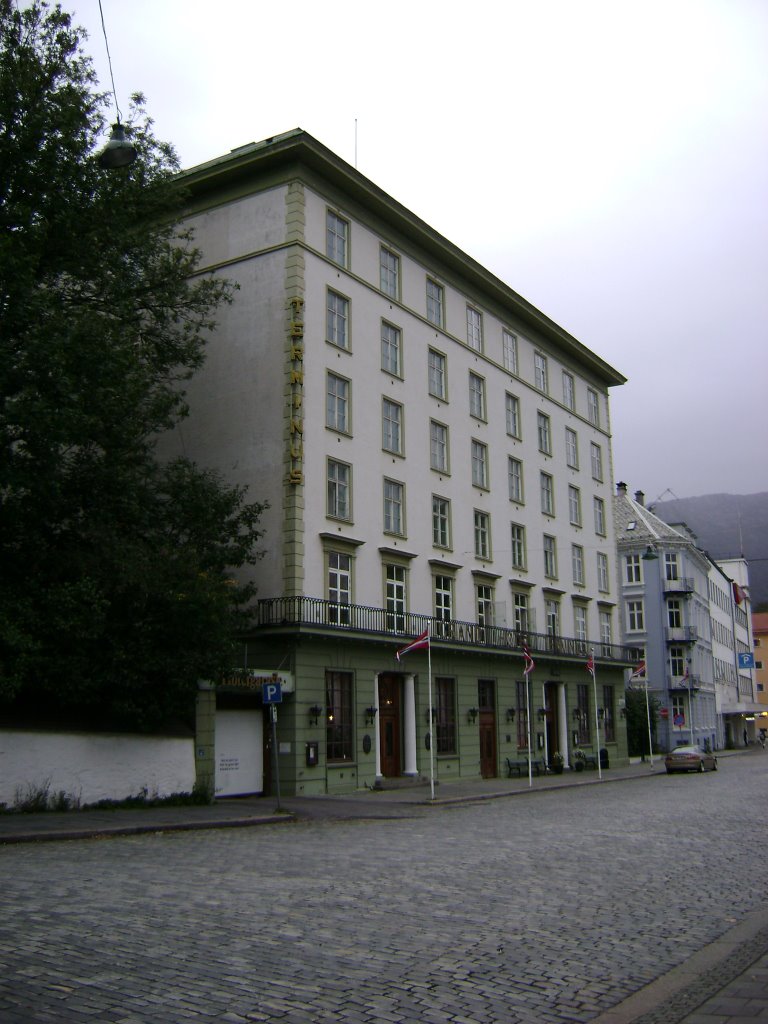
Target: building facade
x=689, y=620
x=436, y=455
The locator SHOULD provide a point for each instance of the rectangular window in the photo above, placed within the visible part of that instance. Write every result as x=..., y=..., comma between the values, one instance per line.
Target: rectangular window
x=599, y=507
x=475, y=329
x=391, y=427
x=552, y=612
x=438, y=446
x=577, y=564
x=677, y=661
x=482, y=534
x=389, y=272
x=339, y=587
x=580, y=622
x=390, y=349
x=394, y=507
x=671, y=568
x=479, y=464
x=445, y=727
x=674, y=613
x=606, y=633
x=336, y=236
x=515, y=474
x=435, y=302
x=337, y=320
x=547, y=489
x=635, y=617
x=509, y=350
x=484, y=604
x=518, y=547
x=596, y=456
x=443, y=598
x=609, y=718
x=574, y=505
x=541, y=374
x=550, y=557
x=632, y=571
x=338, y=716
x=476, y=396
x=571, y=448
x=436, y=373
x=569, y=392
x=522, y=716
x=603, y=584
x=337, y=403
x=582, y=706
x=512, y=409
x=545, y=436
x=521, y=612
x=678, y=709
x=441, y=522
x=339, y=490
x=394, y=577
x=593, y=407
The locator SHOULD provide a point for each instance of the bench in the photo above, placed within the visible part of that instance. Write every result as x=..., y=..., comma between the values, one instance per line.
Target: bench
x=520, y=767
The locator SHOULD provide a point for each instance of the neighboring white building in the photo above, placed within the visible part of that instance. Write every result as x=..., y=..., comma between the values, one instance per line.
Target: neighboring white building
x=738, y=702
x=436, y=454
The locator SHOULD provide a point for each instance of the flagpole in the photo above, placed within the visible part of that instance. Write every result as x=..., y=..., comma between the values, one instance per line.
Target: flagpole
x=528, y=717
x=546, y=738
x=429, y=698
x=597, y=717
x=648, y=716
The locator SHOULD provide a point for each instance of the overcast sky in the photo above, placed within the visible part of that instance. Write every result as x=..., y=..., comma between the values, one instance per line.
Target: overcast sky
x=607, y=159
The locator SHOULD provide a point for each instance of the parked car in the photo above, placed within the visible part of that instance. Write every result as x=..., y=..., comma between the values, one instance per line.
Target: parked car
x=690, y=759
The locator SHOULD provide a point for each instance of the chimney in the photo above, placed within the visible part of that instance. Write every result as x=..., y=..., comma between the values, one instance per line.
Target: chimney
x=640, y=498
x=621, y=487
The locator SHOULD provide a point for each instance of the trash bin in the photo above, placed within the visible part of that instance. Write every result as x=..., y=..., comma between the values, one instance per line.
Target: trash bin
x=604, y=758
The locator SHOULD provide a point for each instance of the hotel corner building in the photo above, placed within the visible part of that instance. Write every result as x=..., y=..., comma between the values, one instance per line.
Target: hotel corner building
x=436, y=455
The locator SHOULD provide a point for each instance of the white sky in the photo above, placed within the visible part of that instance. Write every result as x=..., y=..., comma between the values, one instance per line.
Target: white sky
x=607, y=159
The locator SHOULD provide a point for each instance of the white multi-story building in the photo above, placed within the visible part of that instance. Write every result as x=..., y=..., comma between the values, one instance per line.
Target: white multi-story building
x=436, y=455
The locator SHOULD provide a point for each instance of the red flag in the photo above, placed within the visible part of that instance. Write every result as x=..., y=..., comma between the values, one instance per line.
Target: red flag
x=639, y=671
x=422, y=640
x=591, y=665
x=530, y=664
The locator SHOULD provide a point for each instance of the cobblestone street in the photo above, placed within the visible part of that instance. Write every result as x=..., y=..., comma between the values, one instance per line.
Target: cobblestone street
x=545, y=907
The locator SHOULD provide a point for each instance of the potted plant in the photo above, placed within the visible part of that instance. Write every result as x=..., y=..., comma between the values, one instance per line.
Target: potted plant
x=556, y=763
x=578, y=760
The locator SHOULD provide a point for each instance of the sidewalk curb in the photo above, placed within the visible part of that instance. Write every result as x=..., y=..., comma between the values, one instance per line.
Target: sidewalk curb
x=109, y=832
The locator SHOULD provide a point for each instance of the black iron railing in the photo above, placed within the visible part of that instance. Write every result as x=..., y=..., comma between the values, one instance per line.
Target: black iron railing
x=309, y=612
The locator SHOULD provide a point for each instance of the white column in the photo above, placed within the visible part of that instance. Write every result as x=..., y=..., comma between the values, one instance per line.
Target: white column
x=376, y=727
x=409, y=725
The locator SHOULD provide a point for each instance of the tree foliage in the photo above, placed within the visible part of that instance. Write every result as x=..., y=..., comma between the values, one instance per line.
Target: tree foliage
x=116, y=591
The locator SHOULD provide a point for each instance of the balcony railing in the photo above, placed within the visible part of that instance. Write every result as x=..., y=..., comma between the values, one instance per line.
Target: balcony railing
x=316, y=613
x=682, y=634
x=682, y=585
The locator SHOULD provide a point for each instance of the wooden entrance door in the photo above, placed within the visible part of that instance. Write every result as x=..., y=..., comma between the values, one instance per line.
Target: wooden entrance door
x=486, y=702
x=389, y=725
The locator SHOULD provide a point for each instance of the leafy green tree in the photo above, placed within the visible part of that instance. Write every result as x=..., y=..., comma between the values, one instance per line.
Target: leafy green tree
x=116, y=569
x=637, y=721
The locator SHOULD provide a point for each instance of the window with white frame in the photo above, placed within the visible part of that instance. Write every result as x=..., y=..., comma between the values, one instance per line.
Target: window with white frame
x=435, y=302
x=596, y=456
x=552, y=613
x=674, y=613
x=569, y=391
x=482, y=534
x=580, y=622
x=438, y=446
x=571, y=448
x=395, y=597
x=540, y=372
x=436, y=373
x=476, y=396
x=547, y=490
x=518, y=553
x=484, y=604
x=441, y=522
x=521, y=612
x=390, y=349
x=479, y=464
x=512, y=410
x=632, y=569
x=394, y=507
x=443, y=598
x=671, y=566
x=515, y=476
x=550, y=557
x=339, y=490
x=337, y=319
x=474, y=329
x=606, y=631
x=392, y=426
x=593, y=407
x=336, y=238
x=389, y=272
x=599, y=509
x=635, y=617
x=574, y=505
x=544, y=433
x=509, y=350
x=603, y=582
x=677, y=661
x=337, y=403
x=339, y=587
x=339, y=716
x=577, y=564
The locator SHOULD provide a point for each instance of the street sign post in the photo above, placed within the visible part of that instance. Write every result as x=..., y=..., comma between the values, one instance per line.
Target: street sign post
x=271, y=696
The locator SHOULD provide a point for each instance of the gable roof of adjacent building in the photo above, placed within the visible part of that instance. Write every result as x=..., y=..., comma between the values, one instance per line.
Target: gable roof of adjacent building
x=296, y=154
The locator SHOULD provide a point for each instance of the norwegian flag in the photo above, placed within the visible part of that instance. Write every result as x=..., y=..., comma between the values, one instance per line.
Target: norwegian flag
x=591, y=665
x=530, y=664
x=639, y=672
x=422, y=640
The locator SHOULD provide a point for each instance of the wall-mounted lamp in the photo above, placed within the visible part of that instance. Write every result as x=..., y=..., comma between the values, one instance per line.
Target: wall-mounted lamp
x=471, y=714
x=510, y=714
x=601, y=713
x=370, y=715
x=577, y=714
x=433, y=716
x=650, y=555
x=314, y=714
x=542, y=713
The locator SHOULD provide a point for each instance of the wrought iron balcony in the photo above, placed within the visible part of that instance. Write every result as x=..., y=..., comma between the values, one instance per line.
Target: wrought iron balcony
x=322, y=617
x=682, y=634
x=682, y=585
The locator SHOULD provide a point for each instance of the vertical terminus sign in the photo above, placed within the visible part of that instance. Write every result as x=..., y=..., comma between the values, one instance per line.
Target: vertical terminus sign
x=271, y=696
